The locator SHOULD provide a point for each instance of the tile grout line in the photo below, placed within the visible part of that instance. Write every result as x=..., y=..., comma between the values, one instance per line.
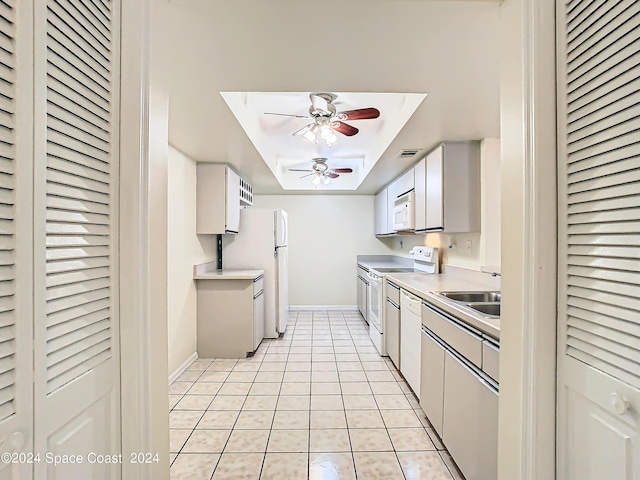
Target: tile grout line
x=191, y=433
x=353, y=457
x=273, y=419
x=386, y=428
x=222, y=450
x=215, y=467
x=326, y=324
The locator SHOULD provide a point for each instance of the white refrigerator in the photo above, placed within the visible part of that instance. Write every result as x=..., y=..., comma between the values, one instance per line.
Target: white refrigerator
x=262, y=244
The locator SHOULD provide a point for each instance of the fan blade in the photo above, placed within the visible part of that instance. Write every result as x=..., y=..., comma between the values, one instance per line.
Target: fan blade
x=286, y=115
x=304, y=129
x=319, y=103
x=359, y=114
x=344, y=129
x=342, y=170
x=332, y=175
x=308, y=175
x=299, y=170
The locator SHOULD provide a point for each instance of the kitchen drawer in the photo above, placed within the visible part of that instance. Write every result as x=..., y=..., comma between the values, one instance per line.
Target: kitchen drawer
x=393, y=293
x=465, y=342
x=491, y=360
x=362, y=271
x=258, y=285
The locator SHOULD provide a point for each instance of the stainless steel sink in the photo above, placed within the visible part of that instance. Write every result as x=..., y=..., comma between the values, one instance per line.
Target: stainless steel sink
x=484, y=303
x=490, y=309
x=470, y=297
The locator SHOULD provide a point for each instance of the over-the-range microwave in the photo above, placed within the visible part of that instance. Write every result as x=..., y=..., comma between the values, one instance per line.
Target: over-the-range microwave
x=403, y=212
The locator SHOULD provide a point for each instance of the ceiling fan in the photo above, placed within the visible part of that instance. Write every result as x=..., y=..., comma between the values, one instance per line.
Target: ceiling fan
x=326, y=119
x=321, y=171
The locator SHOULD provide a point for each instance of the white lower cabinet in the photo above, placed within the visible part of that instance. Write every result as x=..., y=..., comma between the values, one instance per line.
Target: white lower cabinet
x=364, y=298
x=258, y=319
x=460, y=401
x=470, y=423
x=230, y=317
x=363, y=292
x=392, y=331
x=432, y=380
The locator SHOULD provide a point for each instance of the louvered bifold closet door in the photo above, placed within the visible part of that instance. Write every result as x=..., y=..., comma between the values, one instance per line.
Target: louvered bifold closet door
x=599, y=238
x=7, y=212
x=79, y=199
x=603, y=186
x=16, y=267
x=79, y=71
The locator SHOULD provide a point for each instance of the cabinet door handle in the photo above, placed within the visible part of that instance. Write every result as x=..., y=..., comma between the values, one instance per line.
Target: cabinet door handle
x=410, y=297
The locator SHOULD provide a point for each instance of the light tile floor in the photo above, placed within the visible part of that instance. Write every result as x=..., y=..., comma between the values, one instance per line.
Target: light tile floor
x=318, y=403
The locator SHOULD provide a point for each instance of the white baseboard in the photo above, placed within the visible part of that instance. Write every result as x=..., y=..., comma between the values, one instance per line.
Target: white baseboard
x=180, y=370
x=323, y=307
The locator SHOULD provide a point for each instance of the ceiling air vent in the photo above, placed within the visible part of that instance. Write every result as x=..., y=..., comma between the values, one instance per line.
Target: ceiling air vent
x=407, y=153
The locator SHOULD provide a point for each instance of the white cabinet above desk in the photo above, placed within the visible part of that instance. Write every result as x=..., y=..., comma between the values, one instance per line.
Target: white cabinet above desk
x=220, y=192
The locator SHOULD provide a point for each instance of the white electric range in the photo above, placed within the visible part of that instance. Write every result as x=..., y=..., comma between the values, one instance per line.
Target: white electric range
x=425, y=260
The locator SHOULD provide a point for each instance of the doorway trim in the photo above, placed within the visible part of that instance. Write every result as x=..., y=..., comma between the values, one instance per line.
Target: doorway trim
x=143, y=235
x=529, y=241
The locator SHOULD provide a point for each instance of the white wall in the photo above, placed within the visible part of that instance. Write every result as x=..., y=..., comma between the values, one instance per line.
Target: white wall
x=326, y=232
x=485, y=245
x=184, y=250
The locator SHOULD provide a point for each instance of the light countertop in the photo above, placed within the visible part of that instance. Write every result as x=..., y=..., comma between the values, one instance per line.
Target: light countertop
x=453, y=280
x=207, y=271
x=385, y=263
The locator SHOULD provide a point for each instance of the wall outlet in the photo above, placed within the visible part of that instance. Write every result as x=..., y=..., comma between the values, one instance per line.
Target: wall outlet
x=468, y=246
x=401, y=243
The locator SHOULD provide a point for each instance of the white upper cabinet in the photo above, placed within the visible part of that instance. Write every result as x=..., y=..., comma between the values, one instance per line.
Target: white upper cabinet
x=392, y=194
x=219, y=194
x=420, y=179
x=232, y=203
x=404, y=183
x=381, y=216
x=434, y=208
x=448, y=189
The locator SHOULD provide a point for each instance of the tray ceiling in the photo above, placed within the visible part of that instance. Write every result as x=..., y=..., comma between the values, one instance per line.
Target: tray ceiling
x=284, y=50
x=273, y=136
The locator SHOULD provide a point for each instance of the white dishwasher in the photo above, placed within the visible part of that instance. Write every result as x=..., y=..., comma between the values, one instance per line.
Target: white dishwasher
x=410, y=335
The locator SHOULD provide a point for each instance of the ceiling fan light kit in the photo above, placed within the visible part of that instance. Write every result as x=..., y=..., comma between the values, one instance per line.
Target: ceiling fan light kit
x=321, y=172
x=310, y=133
x=327, y=121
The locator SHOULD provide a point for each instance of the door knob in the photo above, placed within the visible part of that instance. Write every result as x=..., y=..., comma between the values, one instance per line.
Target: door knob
x=618, y=403
x=17, y=441
x=13, y=443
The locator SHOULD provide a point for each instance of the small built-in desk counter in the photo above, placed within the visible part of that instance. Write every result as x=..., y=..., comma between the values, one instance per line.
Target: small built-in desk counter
x=230, y=311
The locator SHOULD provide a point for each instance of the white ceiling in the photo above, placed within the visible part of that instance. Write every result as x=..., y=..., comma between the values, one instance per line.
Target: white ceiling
x=446, y=49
